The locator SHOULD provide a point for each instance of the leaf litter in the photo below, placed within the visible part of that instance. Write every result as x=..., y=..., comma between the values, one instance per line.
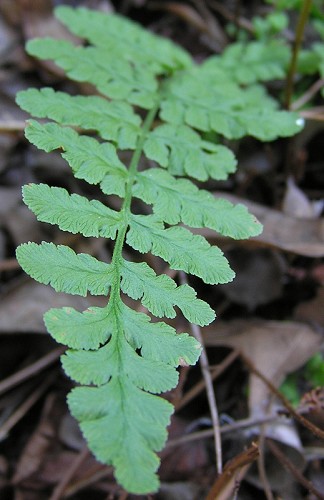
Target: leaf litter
x=274, y=317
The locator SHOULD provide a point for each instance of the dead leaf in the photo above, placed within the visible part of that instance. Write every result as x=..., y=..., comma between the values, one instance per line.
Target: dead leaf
x=275, y=348
x=39, y=442
x=183, y=460
x=312, y=310
x=292, y=234
x=297, y=204
x=259, y=276
x=22, y=309
x=234, y=471
x=9, y=199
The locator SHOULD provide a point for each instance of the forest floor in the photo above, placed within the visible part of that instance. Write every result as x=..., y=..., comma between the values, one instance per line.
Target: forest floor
x=270, y=321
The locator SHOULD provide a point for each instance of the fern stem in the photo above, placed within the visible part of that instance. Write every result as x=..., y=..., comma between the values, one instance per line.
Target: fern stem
x=298, y=40
x=117, y=253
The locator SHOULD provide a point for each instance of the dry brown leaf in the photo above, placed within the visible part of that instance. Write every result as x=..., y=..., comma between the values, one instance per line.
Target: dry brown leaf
x=259, y=276
x=22, y=309
x=312, y=310
x=227, y=483
x=275, y=348
x=298, y=235
x=297, y=204
x=39, y=443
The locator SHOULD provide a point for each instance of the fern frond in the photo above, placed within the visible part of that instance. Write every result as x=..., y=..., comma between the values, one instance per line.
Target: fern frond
x=253, y=62
x=77, y=330
x=137, y=423
x=223, y=107
x=105, y=362
x=72, y=213
x=90, y=160
x=63, y=269
x=142, y=334
x=183, y=152
x=159, y=294
x=126, y=354
x=180, y=248
x=115, y=121
x=179, y=200
x=125, y=40
x=114, y=77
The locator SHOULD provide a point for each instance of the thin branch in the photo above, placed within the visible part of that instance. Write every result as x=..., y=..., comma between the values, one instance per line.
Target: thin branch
x=241, y=22
x=21, y=411
x=262, y=468
x=308, y=95
x=9, y=265
x=316, y=113
x=100, y=472
x=235, y=426
x=214, y=374
x=62, y=485
x=31, y=370
x=302, y=420
x=209, y=388
x=234, y=472
x=292, y=469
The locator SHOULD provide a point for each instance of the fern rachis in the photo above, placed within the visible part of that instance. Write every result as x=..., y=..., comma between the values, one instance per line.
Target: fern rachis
x=120, y=357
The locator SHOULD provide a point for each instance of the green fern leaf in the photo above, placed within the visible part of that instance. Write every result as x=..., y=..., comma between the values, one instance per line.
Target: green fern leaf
x=72, y=213
x=147, y=336
x=125, y=355
x=77, y=330
x=63, y=269
x=180, y=248
x=105, y=363
x=160, y=294
x=179, y=200
x=113, y=121
x=254, y=61
x=124, y=40
x=114, y=77
x=137, y=425
x=90, y=160
x=221, y=106
x=184, y=153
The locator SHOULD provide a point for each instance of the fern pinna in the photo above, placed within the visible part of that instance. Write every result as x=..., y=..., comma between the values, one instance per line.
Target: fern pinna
x=152, y=99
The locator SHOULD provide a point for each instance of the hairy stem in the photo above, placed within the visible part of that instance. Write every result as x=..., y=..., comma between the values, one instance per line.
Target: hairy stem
x=298, y=40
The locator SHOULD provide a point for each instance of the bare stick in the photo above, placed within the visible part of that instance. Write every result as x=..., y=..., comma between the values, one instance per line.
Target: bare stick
x=214, y=373
x=308, y=95
x=62, y=485
x=292, y=469
x=209, y=389
x=235, y=426
x=21, y=411
x=31, y=370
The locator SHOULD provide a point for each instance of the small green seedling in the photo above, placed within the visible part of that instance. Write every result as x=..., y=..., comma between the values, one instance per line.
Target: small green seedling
x=151, y=99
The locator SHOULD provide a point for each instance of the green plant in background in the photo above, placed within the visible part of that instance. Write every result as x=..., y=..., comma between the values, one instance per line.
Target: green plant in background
x=155, y=101
x=276, y=51
x=312, y=373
